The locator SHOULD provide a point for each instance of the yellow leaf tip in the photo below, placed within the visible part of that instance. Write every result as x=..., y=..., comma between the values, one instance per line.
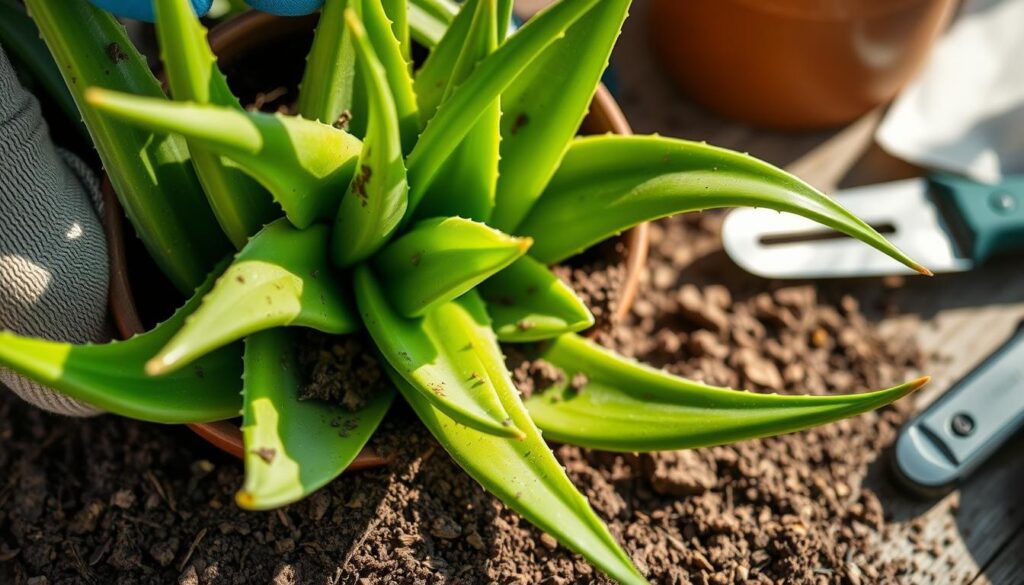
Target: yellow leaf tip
x=94, y=95
x=922, y=270
x=157, y=366
x=244, y=499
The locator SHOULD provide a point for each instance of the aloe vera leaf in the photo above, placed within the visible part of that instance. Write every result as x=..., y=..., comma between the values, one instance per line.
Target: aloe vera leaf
x=504, y=18
x=150, y=171
x=112, y=377
x=376, y=198
x=397, y=69
x=240, y=204
x=541, y=118
x=443, y=11
x=607, y=184
x=292, y=446
x=443, y=355
x=527, y=302
x=480, y=41
x=283, y=277
x=398, y=13
x=465, y=186
x=304, y=164
x=429, y=20
x=327, y=86
x=628, y=406
x=525, y=475
x=457, y=116
x=473, y=166
x=20, y=37
x=441, y=259
x=434, y=77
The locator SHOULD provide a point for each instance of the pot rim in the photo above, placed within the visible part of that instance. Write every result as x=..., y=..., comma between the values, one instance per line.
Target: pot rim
x=236, y=36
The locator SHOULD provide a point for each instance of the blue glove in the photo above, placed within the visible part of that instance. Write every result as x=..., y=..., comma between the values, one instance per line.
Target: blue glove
x=286, y=7
x=143, y=9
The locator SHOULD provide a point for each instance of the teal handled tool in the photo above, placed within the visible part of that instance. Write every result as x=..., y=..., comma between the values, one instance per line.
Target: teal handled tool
x=966, y=425
x=946, y=223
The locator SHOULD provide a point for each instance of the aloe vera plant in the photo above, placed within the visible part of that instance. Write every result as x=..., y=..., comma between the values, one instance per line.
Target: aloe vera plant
x=403, y=227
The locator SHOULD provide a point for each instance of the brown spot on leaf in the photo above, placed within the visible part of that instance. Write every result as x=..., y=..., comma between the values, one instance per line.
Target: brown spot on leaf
x=348, y=426
x=267, y=454
x=359, y=183
x=115, y=53
x=521, y=121
x=342, y=122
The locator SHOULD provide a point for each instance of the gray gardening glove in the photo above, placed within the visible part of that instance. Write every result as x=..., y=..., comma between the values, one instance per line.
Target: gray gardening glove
x=53, y=253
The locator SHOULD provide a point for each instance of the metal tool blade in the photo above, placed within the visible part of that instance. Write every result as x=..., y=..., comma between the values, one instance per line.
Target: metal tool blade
x=781, y=245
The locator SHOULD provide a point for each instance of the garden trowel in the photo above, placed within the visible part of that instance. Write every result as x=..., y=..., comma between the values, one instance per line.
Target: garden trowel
x=945, y=223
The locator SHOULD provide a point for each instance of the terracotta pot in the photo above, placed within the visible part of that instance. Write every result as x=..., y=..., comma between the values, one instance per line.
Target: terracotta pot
x=231, y=41
x=795, y=63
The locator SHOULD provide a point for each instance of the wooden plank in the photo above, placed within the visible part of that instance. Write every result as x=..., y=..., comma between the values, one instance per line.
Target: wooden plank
x=1008, y=567
x=953, y=539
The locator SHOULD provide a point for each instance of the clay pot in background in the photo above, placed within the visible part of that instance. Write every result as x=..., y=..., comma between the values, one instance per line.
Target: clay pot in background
x=795, y=64
x=232, y=42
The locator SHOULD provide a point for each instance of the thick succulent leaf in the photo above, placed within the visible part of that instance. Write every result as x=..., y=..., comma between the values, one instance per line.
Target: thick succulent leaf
x=294, y=447
x=20, y=38
x=466, y=183
x=304, y=164
x=443, y=356
x=459, y=114
x=627, y=406
x=150, y=171
x=240, y=204
x=540, y=118
x=397, y=70
x=283, y=277
x=443, y=11
x=398, y=13
x=607, y=184
x=504, y=9
x=434, y=77
x=328, y=82
x=440, y=260
x=112, y=376
x=429, y=20
x=525, y=475
x=376, y=199
x=527, y=302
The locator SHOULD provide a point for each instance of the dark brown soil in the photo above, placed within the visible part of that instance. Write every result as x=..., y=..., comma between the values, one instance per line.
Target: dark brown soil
x=113, y=501
x=339, y=369
x=597, y=276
